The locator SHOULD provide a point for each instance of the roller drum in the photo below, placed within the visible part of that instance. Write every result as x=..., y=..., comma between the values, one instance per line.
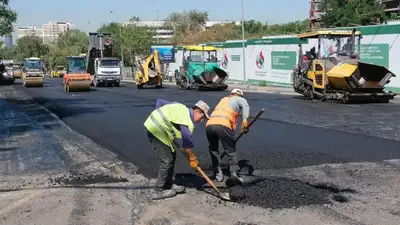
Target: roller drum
x=77, y=86
x=33, y=82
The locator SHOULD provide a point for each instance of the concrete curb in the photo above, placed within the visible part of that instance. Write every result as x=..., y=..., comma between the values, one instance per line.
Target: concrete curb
x=254, y=89
x=251, y=89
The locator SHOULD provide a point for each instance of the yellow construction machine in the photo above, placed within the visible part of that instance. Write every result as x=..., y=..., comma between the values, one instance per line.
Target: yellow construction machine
x=58, y=72
x=149, y=72
x=76, y=78
x=32, y=73
x=335, y=72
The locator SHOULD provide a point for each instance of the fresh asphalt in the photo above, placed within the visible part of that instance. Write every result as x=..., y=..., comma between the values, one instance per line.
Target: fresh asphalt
x=292, y=132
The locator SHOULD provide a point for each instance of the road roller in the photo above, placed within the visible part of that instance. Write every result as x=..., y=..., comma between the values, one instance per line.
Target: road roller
x=76, y=78
x=32, y=73
x=335, y=72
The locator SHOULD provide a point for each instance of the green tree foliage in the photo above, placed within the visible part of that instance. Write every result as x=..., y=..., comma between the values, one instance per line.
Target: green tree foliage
x=70, y=43
x=186, y=24
x=341, y=13
x=8, y=53
x=129, y=40
x=30, y=46
x=7, y=18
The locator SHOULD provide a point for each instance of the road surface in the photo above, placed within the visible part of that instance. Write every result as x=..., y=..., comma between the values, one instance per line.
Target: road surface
x=292, y=132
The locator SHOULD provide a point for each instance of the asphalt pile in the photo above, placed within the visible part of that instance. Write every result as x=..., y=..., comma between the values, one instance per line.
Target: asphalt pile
x=281, y=192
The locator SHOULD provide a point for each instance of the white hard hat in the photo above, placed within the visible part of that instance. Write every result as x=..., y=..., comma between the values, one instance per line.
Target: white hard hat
x=237, y=91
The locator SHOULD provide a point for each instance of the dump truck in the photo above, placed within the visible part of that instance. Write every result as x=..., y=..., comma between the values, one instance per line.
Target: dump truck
x=334, y=71
x=104, y=68
x=200, y=69
x=76, y=78
x=149, y=72
x=32, y=73
x=58, y=72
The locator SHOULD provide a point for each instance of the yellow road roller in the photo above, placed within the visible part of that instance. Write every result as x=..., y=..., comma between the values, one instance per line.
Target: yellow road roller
x=335, y=72
x=76, y=78
x=32, y=73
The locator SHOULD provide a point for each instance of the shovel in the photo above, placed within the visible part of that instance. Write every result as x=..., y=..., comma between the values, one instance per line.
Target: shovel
x=222, y=195
x=242, y=133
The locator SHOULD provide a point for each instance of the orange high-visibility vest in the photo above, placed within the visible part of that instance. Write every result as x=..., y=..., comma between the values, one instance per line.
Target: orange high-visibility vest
x=224, y=115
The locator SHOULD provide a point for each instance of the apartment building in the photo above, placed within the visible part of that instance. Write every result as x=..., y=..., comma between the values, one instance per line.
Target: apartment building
x=49, y=32
x=165, y=33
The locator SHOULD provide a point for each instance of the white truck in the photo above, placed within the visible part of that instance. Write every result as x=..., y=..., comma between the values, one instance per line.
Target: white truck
x=102, y=66
x=107, y=71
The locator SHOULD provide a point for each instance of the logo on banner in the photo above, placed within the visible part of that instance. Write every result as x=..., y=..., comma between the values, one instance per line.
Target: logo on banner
x=224, y=62
x=260, y=61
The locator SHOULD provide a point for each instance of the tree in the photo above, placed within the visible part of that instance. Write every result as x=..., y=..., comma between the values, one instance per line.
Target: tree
x=341, y=13
x=7, y=18
x=130, y=40
x=31, y=46
x=186, y=23
x=70, y=43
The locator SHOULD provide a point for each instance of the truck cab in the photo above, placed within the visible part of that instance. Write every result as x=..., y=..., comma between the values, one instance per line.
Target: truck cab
x=107, y=71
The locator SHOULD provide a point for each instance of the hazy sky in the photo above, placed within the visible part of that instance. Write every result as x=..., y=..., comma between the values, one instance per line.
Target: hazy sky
x=88, y=15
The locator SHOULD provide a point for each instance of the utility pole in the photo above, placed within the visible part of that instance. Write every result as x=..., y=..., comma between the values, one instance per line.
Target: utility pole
x=243, y=46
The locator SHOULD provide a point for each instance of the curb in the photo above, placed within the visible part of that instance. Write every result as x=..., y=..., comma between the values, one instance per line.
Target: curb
x=251, y=89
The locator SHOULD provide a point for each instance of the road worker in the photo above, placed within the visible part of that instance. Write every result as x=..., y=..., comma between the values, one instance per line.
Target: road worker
x=221, y=127
x=169, y=123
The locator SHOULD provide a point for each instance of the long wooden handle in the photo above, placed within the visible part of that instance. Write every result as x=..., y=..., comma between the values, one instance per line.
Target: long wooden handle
x=251, y=123
x=208, y=180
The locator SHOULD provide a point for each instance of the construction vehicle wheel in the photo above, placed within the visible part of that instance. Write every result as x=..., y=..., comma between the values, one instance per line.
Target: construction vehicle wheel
x=116, y=84
x=139, y=86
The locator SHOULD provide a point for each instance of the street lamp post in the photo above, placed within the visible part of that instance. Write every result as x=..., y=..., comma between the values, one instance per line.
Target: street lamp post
x=121, y=46
x=243, y=46
x=158, y=38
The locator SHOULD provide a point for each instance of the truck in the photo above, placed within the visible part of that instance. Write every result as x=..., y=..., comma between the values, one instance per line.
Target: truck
x=104, y=68
x=7, y=76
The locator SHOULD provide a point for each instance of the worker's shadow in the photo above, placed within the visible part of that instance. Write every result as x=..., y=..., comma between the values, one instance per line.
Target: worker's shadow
x=195, y=180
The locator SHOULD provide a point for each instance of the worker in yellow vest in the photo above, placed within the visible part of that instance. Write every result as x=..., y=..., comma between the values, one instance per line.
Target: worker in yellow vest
x=221, y=127
x=166, y=126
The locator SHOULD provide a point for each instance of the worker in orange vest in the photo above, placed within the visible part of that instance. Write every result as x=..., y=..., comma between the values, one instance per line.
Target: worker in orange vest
x=221, y=127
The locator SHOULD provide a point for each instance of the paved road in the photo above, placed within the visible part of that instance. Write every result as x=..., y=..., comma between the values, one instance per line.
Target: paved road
x=292, y=133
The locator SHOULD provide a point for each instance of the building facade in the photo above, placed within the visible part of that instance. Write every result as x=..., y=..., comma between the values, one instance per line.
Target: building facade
x=391, y=6
x=49, y=32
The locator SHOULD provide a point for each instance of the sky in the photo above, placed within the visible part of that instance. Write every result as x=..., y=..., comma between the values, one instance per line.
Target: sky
x=88, y=15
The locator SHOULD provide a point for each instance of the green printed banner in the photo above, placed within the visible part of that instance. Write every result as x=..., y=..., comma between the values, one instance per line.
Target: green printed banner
x=235, y=58
x=283, y=60
x=375, y=53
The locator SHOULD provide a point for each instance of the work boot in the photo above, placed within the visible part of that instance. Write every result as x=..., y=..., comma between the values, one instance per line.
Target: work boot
x=178, y=189
x=235, y=175
x=163, y=194
x=219, y=176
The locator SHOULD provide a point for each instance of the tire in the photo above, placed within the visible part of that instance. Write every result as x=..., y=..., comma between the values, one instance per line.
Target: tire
x=184, y=82
x=139, y=86
x=116, y=84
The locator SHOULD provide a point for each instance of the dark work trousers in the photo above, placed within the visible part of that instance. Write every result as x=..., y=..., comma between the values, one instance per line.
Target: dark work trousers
x=226, y=136
x=167, y=160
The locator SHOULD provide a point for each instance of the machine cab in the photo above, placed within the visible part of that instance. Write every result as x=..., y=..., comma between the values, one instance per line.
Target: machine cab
x=197, y=58
x=328, y=49
x=76, y=65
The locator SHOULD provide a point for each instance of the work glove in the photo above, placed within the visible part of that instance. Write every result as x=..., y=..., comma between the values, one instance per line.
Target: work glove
x=245, y=127
x=193, y=163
